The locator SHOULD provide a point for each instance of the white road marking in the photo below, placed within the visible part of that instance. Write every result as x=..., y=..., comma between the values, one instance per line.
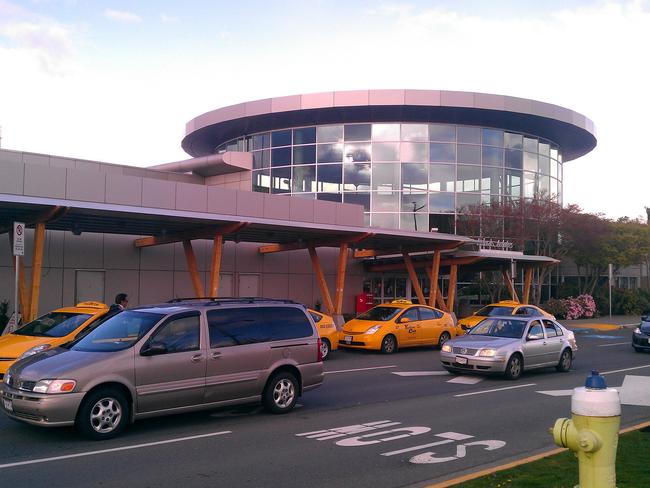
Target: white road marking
x=466, y=380
x=556, y=393
x=421, y=373
x=495, y=389
x=115, y=449
x=626, y=369
x=360, y=369
x=449, y=436
x=615, y=344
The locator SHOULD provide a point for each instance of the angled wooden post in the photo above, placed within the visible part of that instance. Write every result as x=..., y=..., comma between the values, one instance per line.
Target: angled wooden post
x=528, y=279
x=451, y=294
x=215, y=268
x=440, y=301
x=193, y=268
x=340, y=278
x=37, y=265
x=320, y=277
x=433, y=277
x=414, y=278
x=510, y=285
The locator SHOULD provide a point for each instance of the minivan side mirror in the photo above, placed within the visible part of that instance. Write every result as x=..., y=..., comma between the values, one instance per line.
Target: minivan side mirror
x=153, y=349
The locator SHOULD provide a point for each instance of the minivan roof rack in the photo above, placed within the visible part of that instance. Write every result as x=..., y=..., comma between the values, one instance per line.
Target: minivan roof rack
x=219, y=300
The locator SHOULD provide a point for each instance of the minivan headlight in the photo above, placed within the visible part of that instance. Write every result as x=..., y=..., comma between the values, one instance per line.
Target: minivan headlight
x=446, y=348
x=373, y=329
x=54, y=386
x=34, y=350
x=637, y=331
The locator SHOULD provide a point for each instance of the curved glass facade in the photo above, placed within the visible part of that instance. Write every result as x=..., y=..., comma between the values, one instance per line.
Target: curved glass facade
x=406, y=175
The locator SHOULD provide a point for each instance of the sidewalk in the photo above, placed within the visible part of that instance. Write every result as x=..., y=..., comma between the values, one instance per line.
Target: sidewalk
x=604, y=323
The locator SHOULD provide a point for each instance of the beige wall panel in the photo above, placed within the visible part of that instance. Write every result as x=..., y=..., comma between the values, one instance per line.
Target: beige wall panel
x=228, y=257
x=300, y=262
x=85, y=185
x=325, y=212
x=11, y=177
x=222, y=200
x=51, y=296
x=158, y=193
x=53, y=248
x=248, y=259
x=36, y=159
x=157, y=257
x=275, y=285
x=191, y=197
x=183, y=285
x=43, y=181
x=122, y=281
x=7, y=286
x=10, y=157
x=250, y=204
x=301, y=210
x=90, y=166
x=120, y=253
x=200, y=251
x=276, y=207
x=68, y=286
x=156, y=286
x=301, y=289
x=277, y=262
x=123, y=190
x=6, y=258
x=85, y=251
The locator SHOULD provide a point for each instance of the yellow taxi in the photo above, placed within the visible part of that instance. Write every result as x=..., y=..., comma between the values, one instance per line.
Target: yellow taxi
x=401, y=323
x=50, y=330
x=327, y=332
x=504, y=307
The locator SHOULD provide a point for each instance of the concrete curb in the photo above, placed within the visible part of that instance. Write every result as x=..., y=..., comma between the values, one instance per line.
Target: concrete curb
x=519, y=462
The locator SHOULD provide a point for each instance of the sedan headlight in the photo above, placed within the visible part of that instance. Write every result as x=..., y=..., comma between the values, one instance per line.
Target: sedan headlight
x=34, y=350
x=446, y=348
x=489, y=353
x=54, y=386
x=373, y=329
x=637, y=331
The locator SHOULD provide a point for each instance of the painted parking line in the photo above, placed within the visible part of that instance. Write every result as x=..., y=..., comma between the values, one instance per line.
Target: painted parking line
x=615, y=344
x=495, y=389
x=115, y=449
x=359, y=369
x=421, y=373
x=466, y=380
x=625, y=369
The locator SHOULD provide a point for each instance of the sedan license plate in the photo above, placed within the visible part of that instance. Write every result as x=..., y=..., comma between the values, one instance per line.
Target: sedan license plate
x=347, y=338
x=8, y=405
x=461, y=360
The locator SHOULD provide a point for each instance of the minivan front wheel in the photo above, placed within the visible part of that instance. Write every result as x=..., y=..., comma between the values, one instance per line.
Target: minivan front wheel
x=281, y=393
x=103, y=414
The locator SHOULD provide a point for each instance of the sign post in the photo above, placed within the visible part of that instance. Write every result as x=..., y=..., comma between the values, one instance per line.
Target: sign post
x=611, y=277
x=18, y=250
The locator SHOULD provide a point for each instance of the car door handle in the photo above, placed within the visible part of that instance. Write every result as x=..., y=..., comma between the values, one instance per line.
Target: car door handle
x=196, y=358
x=215, y=355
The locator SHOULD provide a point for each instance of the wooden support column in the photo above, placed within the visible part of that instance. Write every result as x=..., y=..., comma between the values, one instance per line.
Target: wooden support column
x=340, y=278
x=440, y=301
x=320, y=277
x=193, y=268
x=433, y=277
x=510, y=285
x=215, y=268
x=414, y=278
x=453, y=279
x=37, y=265
x=528, y=279
x=23, y=299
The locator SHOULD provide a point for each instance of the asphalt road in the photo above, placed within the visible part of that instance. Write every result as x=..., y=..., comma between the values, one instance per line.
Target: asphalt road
x=380, y=421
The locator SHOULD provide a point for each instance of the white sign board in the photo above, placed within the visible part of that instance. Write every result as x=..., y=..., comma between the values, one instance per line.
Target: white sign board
x=12, y=325
x=19, y=239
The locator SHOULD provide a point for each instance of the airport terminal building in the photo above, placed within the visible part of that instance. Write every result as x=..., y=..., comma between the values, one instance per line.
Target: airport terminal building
x=360, y=175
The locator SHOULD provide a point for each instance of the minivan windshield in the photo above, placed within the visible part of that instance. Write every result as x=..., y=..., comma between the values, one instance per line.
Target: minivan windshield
x=511, y=328
x=381, y=314
x=53, y=324
x=119, y=332
x=492, y=310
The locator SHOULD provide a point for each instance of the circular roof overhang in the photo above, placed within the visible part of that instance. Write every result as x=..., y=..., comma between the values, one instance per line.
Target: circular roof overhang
x=573, y=132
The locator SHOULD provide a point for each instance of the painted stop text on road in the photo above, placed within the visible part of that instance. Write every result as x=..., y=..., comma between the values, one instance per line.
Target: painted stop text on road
x=385, y=431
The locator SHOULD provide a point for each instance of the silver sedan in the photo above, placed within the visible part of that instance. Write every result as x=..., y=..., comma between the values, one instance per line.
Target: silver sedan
x=508, y=345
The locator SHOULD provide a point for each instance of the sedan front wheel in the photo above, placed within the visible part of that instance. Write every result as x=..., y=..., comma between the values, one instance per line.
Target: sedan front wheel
x=514, y=367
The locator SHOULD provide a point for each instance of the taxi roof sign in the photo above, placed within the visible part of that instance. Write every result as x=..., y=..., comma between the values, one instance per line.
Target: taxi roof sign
x=91, y=304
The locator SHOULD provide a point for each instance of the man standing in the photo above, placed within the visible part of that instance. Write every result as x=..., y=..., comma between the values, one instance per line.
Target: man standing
x=121, y=301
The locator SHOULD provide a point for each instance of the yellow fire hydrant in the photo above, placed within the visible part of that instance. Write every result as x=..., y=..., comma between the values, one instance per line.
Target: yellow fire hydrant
x=592, y=432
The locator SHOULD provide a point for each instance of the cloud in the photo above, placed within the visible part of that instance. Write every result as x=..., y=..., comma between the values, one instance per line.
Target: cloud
x=168, y=19
x=122, y=16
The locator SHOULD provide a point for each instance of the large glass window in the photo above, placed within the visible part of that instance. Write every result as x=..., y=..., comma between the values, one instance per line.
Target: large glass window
x=530, y=161
x=356, y=176
x=385, y=176
x=441, y=202
x=358, y=198
x=385, y=220
x=262, y=181
x=544, y=165
x=492, y=156
x=330, y=153
x=281, y=156
x=329, y=133
x=469, y=154
x=514, y=158
x=414, y=176
x=414, y=222
x=513, y=182
x=530, y=145
x=304, y=154
x=442, y=177
x=415, y=132
x=357, y=153
x=385, y=201
x=357, y=132
x=261, y=159
x=304, y=179
x=414, y=201
x=492, y=181
x=530, y=188
x=471, y=135
x=468, y=179
x=513, y=141
x=415, y=152
x=330, y=177
x=281, y=138
x=492, y=137
x=440, y=152
x=261, y=141
x=281, y=180
x=385, y=151
x=305, y=135
x=386, y=132
x=442, y=132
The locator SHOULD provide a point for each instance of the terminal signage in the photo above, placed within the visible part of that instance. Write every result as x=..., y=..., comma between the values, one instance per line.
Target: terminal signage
x=19, y=239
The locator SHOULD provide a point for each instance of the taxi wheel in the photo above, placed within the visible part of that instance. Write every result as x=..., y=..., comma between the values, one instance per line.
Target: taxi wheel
x=389, y=344
x=444, y=337
x=325, y=349
x=103, y=414
x=514, y=367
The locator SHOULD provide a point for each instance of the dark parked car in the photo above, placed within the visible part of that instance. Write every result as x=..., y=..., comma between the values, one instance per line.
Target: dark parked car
x=641, y=335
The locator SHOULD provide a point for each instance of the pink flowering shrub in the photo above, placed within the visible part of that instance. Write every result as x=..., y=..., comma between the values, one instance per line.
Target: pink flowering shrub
x=588, y=305
x=572, y=308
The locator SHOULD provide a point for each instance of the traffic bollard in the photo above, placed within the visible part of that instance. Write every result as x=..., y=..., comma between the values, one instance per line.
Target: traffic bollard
x=592, y=432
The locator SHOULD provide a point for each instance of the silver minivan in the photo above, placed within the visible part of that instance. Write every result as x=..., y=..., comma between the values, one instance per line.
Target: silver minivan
x=170, y=358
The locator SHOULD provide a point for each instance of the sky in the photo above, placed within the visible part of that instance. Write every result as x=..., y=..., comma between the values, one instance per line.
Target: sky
x=116, y=81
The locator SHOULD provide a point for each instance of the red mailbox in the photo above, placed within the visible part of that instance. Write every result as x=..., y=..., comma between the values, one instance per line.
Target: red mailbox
x=364, y=301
